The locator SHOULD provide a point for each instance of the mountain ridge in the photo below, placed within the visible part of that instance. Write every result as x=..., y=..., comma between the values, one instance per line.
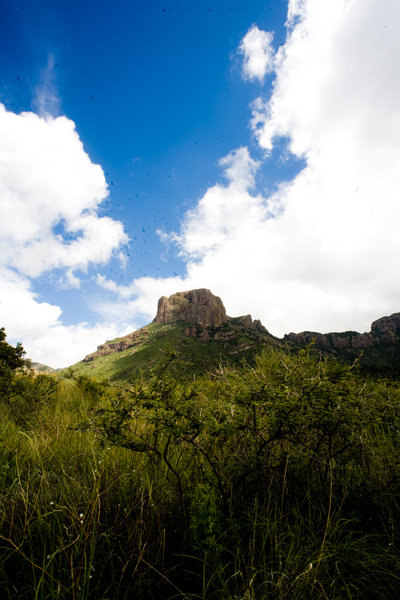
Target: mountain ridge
x=377, y=350
x=195, y=325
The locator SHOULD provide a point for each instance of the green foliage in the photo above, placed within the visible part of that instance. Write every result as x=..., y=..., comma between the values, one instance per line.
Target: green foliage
x=277, y=481
x=10, y=360
x=157, y=340
x=10, y=357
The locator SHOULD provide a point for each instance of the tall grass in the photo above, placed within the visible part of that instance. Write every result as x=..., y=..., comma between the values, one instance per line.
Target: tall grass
x=280, y=481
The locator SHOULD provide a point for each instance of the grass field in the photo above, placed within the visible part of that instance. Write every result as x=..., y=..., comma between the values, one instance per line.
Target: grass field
x=276, y=481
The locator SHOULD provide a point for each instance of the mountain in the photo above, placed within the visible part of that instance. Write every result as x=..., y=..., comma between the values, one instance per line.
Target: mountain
x=193, y=326
x=38, y=367
x=378, y=351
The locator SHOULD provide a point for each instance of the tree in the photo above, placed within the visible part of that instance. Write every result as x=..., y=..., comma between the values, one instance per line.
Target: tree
x=11, y=359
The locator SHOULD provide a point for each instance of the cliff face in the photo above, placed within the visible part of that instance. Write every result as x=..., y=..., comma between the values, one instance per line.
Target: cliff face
x=128, y=341
x=383, y=331
x=194, y=324
x=201, y=316
x=386, y=329
x=198, y=307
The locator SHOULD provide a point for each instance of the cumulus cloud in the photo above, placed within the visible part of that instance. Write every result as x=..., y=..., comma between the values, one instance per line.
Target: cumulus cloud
x=220, y=210
x=137, y=301
x=322, y=253
x=39, y=325
x=46, y=181
x=50, y=195
x=258, y=52
x=326, y=261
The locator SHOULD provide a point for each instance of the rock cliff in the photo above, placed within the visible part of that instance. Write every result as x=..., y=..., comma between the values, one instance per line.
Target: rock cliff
x=383, y=331
x=119, y=345
x=198, y=307
x=201, y=316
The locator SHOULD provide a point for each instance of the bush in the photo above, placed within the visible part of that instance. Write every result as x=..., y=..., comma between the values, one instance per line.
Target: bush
x=277, y=481
x=10, y=360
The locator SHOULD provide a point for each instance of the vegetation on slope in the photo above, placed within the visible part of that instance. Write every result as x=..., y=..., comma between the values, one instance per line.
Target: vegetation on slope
x=155, y=341
x=281, y=481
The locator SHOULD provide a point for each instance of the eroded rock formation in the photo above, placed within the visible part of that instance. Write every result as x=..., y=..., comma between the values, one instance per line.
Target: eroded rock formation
x=128, y=341
x=384, y=330
x=197, y=307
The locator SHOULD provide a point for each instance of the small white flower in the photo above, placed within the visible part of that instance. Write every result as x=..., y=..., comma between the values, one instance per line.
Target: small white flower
x=81, y=515
x=48, y=557
x=51, y=503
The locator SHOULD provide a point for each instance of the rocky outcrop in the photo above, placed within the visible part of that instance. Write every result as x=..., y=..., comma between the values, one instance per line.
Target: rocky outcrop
x=197, y=307
x=200, y=315
x=200, y=333
x=383, y=331
x=128, y=341
x=205, y=320
x=246, y=321
x=386, y=329
x=203, y=333
x=232, y=333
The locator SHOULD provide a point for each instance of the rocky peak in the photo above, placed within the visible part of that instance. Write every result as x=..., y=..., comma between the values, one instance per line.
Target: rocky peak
x=198, y=307
x=384, y=330
x=387, y=328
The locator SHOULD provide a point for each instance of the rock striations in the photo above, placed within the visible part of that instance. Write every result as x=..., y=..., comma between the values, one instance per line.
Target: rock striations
x=197, y=307
x=205, y=317
x=118, y=345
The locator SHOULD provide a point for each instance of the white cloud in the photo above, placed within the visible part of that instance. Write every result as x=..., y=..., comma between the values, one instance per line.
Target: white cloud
x=138, y=301
x=47, y=180
x=50, y=195
x=221, y=209
x=240, y=168
x=258, y=52
x=46, y=100
x=327, y=261
x=323, y=252
x=39, y=326
x=296, y=10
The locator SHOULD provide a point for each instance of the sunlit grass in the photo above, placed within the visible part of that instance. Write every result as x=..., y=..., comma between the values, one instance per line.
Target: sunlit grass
x=281, y=482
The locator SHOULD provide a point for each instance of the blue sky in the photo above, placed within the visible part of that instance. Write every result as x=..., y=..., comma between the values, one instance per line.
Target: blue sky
x=159, y=93
x=155, y=91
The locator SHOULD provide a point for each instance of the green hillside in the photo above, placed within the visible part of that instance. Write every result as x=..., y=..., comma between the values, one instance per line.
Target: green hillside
x=40, y=368
x=231, y=343
x=193, y=329
x=377, y=351
x=277, y=481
